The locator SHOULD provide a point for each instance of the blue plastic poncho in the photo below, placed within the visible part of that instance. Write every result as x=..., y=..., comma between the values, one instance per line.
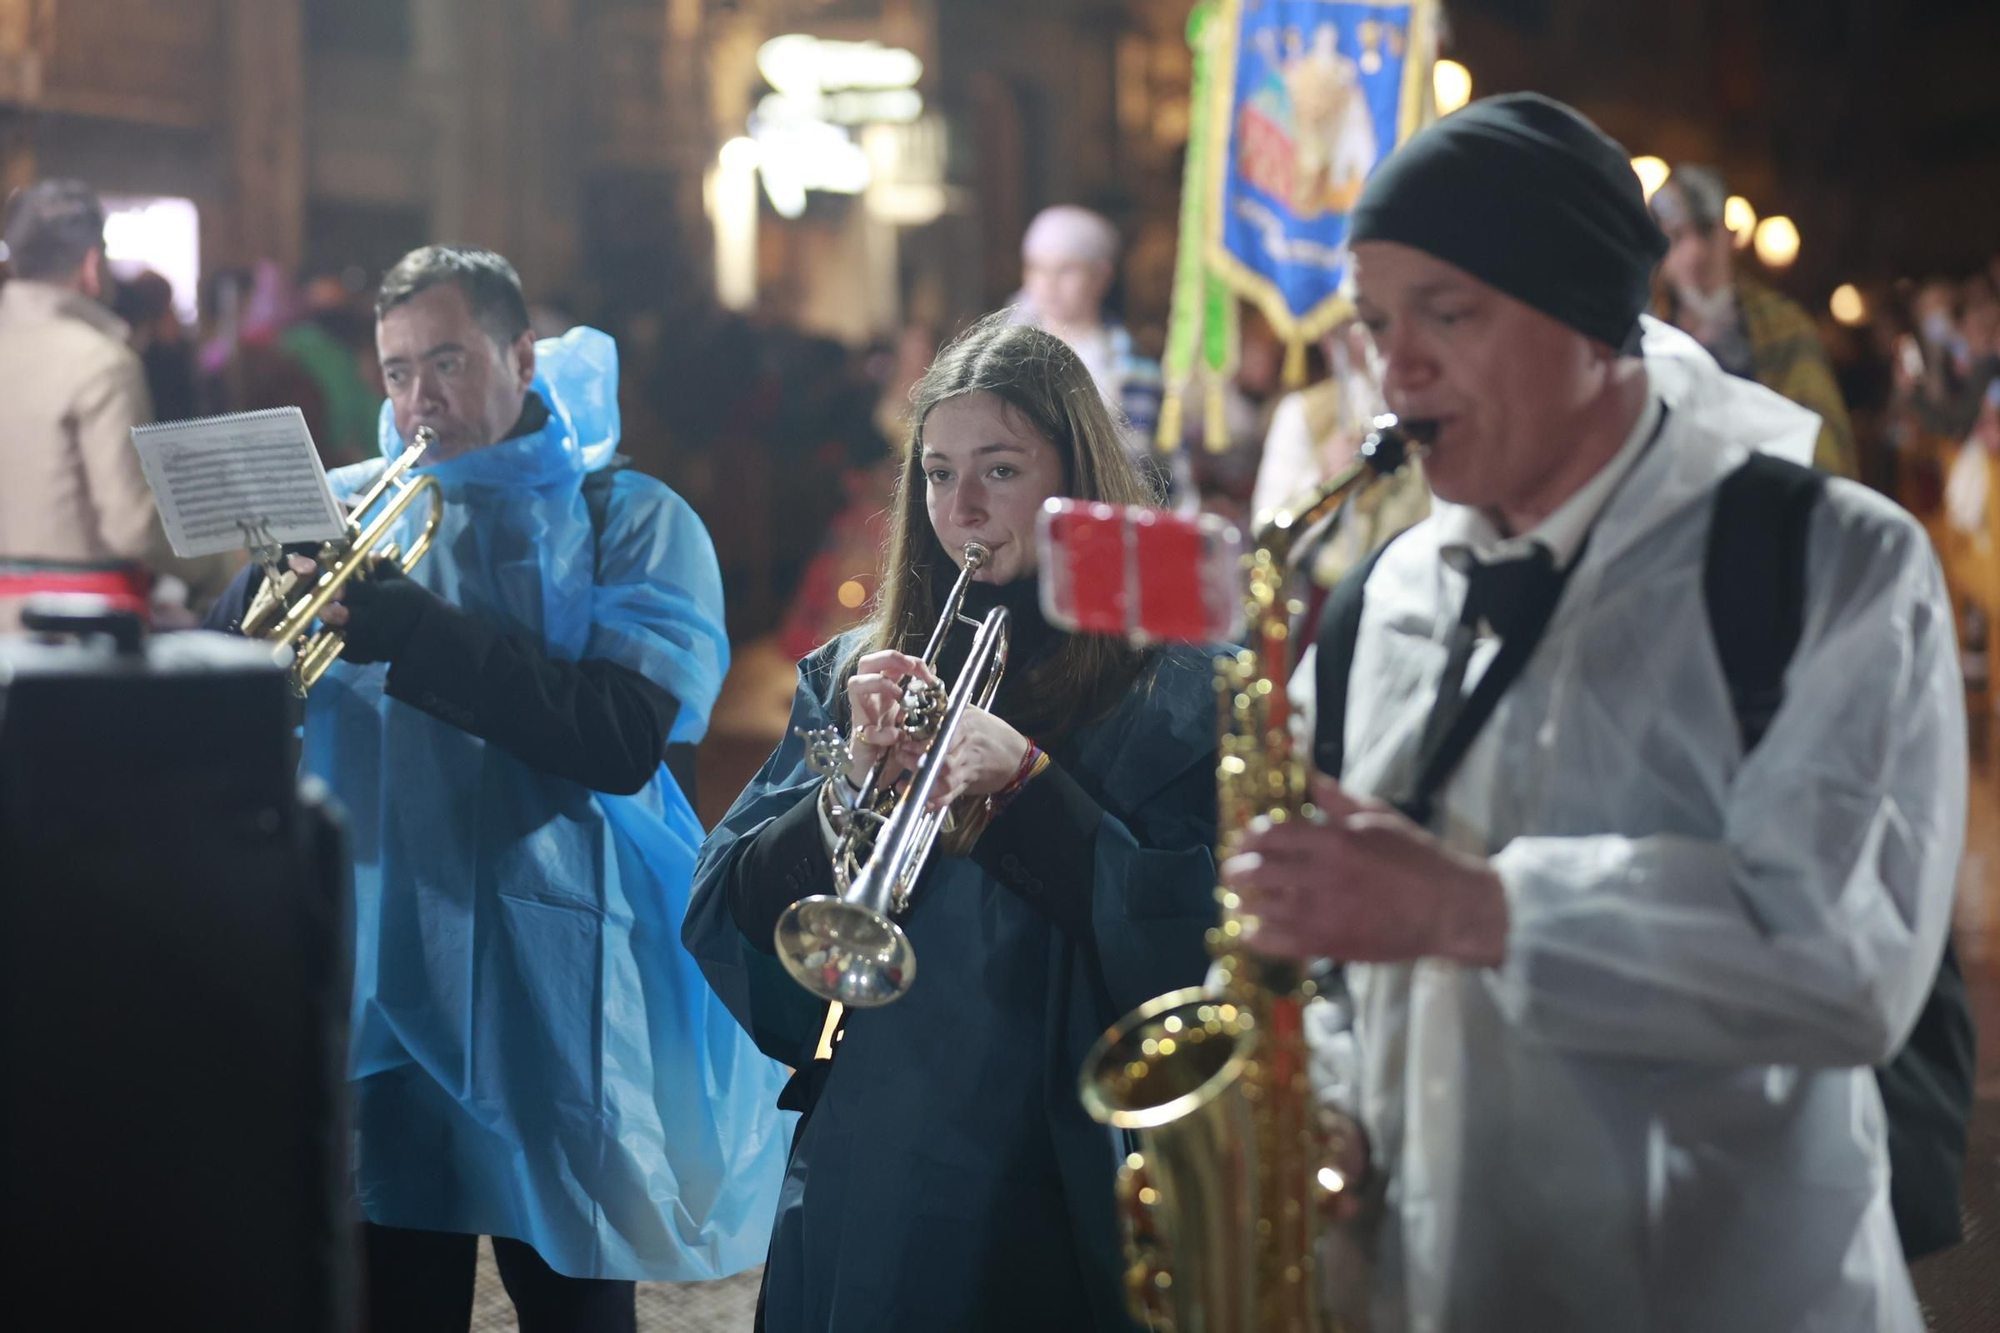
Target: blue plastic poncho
x=534, y=1055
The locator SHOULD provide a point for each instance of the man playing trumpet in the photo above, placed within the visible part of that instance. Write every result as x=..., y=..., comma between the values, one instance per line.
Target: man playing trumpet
x=496, y=730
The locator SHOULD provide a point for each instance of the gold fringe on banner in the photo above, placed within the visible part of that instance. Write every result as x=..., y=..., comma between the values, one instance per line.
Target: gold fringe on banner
x=1168, y=434
x=1295, y=364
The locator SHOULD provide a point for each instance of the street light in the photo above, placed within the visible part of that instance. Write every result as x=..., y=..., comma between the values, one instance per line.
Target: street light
x=1740, y=218
x=1847, y=305
x=1777, y=242
x=1452, y=83
x=1652, y=174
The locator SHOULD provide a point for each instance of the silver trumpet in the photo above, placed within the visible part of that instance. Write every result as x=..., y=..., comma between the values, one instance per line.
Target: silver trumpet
x=847, y=947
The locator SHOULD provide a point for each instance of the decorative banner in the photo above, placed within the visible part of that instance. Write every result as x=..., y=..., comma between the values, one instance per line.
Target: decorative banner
x=1294, y=102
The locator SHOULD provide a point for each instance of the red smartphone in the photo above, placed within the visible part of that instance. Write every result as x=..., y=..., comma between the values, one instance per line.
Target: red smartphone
x=1143, y=574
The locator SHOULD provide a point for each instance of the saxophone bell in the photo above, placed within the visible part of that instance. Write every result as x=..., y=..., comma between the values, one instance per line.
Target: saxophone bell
x=1246, y=1208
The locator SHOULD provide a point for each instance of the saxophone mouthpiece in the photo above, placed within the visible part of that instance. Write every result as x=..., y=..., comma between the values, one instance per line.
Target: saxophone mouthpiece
x=1394, y=439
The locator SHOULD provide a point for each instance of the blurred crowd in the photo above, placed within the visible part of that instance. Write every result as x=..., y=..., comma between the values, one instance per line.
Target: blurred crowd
x=786, y=441
x=764, y=428
x=1917, y=376
x=265, y=338
x=1923, y=378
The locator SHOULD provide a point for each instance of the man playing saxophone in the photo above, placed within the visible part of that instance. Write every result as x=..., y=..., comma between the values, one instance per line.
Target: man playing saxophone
x=945, y=1176
x=533, y=1058
x=1621, y=962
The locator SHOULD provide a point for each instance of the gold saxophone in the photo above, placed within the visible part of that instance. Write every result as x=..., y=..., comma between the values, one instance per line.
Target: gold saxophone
x=1240, y=1174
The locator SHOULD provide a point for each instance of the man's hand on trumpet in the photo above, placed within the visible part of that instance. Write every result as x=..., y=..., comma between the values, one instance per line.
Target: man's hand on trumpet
x=389, y=602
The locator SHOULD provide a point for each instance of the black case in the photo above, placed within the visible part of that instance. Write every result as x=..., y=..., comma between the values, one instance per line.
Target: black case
x=173, y=994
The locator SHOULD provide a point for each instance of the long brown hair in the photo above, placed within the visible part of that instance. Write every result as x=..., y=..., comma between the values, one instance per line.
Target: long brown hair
x=1041, y=380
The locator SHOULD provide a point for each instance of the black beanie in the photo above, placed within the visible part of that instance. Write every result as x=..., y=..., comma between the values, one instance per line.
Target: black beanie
x=1526, y=195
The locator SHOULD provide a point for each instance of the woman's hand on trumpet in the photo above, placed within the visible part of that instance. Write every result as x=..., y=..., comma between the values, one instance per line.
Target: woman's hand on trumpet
x=985, y=755
x=875, y=703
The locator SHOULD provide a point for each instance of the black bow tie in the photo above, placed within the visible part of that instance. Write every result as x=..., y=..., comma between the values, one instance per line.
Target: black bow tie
x=1508, y=594
x=1516, y=597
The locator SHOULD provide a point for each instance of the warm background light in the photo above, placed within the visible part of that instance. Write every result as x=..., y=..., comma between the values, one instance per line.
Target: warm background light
x=159, y=234
x=732, y=208
x=1740, y=218
x=852, y=594
x=1452, y=82
x=1652, y=174
x=739, y=155
x=1777, y=242
x=1847, y=305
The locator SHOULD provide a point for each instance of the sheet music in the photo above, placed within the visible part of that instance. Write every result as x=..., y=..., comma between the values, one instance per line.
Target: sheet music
x=247, y=479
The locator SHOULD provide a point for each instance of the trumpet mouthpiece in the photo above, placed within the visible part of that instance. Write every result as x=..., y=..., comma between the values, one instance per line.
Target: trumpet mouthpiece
x=976, y=555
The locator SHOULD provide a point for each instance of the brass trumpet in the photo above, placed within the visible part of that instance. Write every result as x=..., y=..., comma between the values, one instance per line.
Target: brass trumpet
x=847, y=947
x=288, y=605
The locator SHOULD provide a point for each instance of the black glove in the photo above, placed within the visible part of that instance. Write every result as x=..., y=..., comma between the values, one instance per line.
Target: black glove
x=384, y=609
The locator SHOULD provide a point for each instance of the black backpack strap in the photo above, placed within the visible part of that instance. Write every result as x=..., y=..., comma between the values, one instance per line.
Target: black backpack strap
x=597, y=487
x=1339, y=627
x=1754, y=580
x=597, y=490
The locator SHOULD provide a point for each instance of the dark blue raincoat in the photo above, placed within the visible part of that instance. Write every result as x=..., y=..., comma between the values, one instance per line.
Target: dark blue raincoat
x=947, y=1177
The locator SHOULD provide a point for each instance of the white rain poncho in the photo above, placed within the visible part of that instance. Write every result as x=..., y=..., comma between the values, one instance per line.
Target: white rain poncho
x=1659, y=1113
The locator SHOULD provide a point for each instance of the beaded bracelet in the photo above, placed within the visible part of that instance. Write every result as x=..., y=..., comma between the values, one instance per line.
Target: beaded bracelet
x=1032, y=763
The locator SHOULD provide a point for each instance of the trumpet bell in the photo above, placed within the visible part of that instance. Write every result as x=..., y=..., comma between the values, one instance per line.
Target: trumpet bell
x=844, y=952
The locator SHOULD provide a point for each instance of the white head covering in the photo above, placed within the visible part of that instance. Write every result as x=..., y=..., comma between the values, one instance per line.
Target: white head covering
x=1069, y=232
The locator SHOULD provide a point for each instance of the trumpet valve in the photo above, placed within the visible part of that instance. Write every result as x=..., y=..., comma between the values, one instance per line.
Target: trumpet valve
x=923, y=711
x=827, y=751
